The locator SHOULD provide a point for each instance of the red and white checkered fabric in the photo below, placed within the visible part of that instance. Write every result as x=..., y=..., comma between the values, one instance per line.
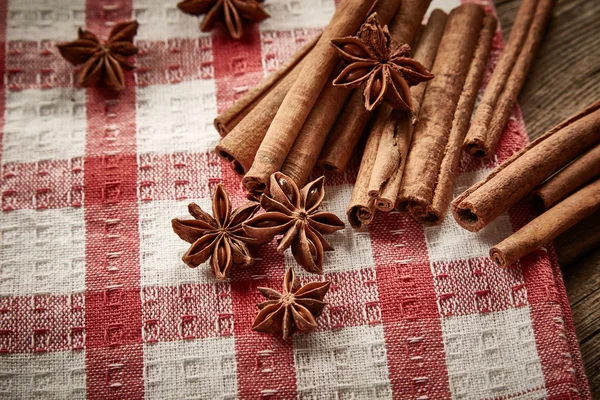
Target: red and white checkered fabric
x=96, y=303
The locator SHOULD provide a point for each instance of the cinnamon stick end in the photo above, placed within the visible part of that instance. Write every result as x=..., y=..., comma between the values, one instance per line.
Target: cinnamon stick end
x=359, y=217
x=477, y=149
x=255, y=186
x=221, y=127
x=498, y=257
x=235, y=165
x=467, y=218
x=385, y=205
x=539, y=202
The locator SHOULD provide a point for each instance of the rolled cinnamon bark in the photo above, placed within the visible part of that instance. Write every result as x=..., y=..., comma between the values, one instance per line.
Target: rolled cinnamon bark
x=575, y=175
x=306, y=149
x=548, y=226
x=361, y=209
x=398, y=129
x=316, y=69
x=241, y=144
x=435, y=211
x=508, y=78
x=229, y=118
x=526, y=169
x=430, y=139
x=354, y=118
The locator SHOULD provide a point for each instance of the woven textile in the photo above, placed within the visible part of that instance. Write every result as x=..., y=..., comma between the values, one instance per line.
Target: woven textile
x=96, y=303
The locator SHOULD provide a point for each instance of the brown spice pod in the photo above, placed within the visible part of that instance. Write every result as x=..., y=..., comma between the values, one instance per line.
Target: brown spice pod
x=548, y=226
x=521, y=173
x=301, y=98
x=432, y=130
x=508, y=78
x=232, y=116
x=575, y=175
x=354, y=118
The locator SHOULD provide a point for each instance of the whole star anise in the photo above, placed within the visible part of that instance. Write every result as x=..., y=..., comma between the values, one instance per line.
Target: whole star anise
x=233, y=12
x=294, y=214
x=296, y=309
x=220, y=238
x=388, y=70
x=103, y=62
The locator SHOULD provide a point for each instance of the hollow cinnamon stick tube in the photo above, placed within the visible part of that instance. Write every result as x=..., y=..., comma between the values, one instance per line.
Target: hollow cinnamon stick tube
x=361, y=210
x=508, y=78
x=354, y=117
x=241, y=144
x=526, y=169
x=303, y=155
x=430, y=138
x=575, y=175
x=548, y=226
x=398, y=127
x=301, y=98
x=232, y=116
x=435, y=211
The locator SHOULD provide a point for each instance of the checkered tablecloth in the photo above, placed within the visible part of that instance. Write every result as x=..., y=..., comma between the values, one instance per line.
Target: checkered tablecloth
x=95, y=301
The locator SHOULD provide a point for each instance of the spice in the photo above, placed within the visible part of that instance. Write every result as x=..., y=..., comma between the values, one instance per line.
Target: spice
x=387, y=70
x=548, y=226
x=575, y=175
x=103, y=63
x=303, y=95
x=232, y=116
x=354, y=118
x=526, y=169
x=233, y=12
x=295, y=309
x=398, y=127
x=508, y=78
x=303, y=155
x=294, y=214
x=431, y=133
x=220, y=237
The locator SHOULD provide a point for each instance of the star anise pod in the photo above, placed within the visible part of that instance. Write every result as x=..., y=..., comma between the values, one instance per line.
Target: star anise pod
x=293, y=310
x=233, y=12
x=220, y=237
x=388, y=70
x=103, y=62
x=294, y=214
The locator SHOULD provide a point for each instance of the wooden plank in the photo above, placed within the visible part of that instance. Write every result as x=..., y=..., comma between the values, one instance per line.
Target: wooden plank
x=564, y=78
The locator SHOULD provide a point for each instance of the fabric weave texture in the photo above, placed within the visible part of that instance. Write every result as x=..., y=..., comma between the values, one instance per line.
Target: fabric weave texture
x=96, y=303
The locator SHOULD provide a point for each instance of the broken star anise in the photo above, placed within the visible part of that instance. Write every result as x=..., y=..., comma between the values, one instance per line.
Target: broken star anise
x=233, y=12
x=220, y=237
x=293, y=310
x=293, y=213
x=103, y=62
x=388, y=70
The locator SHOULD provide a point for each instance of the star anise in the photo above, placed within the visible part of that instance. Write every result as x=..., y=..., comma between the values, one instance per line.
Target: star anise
x=294, y=214
x=220, y=238
x=103, y=62
x=233, y=12
x=388, y=70
x=293, y=310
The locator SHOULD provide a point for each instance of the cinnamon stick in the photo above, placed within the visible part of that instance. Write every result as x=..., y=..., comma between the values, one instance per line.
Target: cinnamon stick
x=232, y=116
x=306, y=149
x=575, y=175
x=398, y=130
x=526, y=169
x=361, y=210
x=241, y=144
x=435, y=211
x=301, y=98
x=548, y=226
x=430, y=143
x=354, y=118
x=508, y=77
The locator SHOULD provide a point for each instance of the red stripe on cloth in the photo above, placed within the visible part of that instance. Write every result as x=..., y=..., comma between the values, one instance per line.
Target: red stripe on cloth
x=237, y=64
x=42, y=184
x=411, y=322
x=42, y=323
x=114, y=353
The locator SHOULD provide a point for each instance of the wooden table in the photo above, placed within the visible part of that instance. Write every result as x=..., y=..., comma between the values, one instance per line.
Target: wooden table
x=565, y=77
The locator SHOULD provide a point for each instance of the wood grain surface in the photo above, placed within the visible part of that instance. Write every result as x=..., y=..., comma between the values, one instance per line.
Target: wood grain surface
x=565, y=77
